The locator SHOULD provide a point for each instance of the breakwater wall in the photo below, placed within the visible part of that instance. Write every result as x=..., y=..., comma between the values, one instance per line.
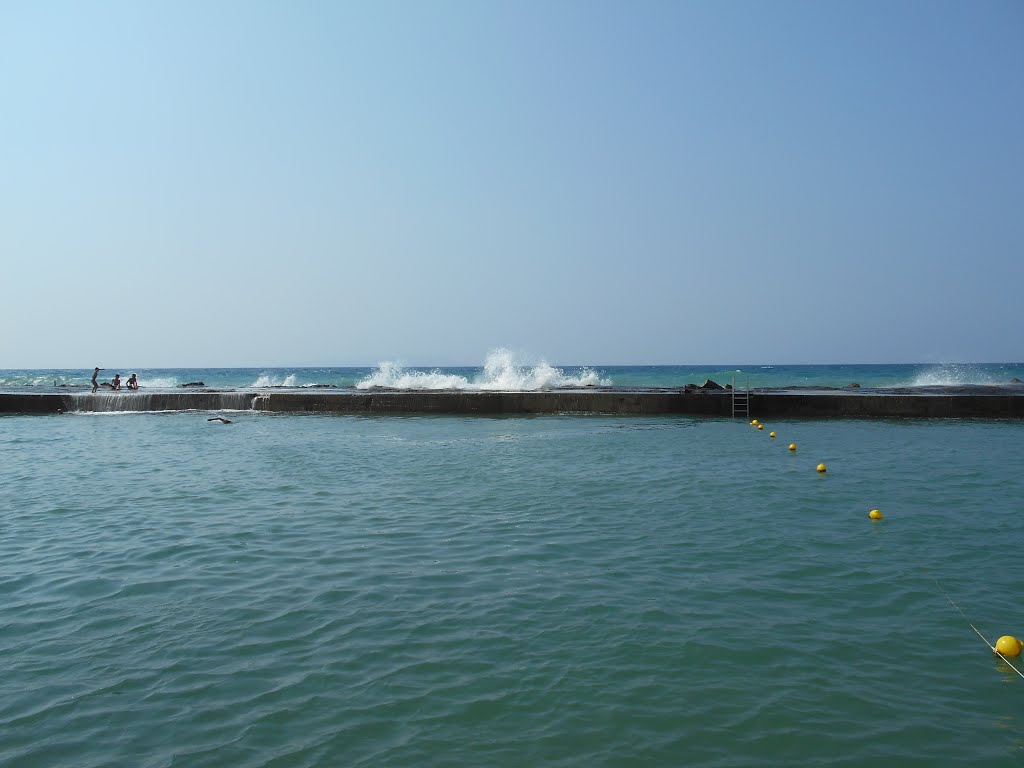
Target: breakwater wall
x=493, y=403
x=606, y=401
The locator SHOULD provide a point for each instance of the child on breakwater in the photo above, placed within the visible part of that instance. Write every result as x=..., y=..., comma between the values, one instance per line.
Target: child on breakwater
x=116, y=383
x=95, y=385
x=133, y=382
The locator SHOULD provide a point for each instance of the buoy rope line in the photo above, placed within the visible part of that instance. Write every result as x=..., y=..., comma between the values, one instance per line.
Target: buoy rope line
x=961, y=610
x=993, y=648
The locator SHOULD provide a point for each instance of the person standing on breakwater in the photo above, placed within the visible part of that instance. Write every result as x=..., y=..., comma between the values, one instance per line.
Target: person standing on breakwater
x=133, y=382
x=95, y=385
x=116, y=383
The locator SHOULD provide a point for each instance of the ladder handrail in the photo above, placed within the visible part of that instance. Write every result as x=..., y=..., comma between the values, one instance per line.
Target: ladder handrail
x=740, y=400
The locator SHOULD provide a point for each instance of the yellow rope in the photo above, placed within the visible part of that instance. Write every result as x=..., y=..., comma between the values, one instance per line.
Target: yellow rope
x=961, y=610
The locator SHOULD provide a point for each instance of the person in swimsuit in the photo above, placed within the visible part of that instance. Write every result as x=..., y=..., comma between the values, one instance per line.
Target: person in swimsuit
x=116, y=383
x=133, y=382
x=95, y=385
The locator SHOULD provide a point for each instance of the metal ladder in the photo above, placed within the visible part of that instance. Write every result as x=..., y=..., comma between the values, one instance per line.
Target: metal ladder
x=740, y=400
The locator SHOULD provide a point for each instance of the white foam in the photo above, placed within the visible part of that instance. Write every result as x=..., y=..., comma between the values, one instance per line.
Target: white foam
x=501, y=372
x=269, y=380
x=161, y=382
x=394, y=376
x=951, y=375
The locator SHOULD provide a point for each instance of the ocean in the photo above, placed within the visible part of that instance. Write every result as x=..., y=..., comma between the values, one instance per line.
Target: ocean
x=504, y=371
x=315, y=590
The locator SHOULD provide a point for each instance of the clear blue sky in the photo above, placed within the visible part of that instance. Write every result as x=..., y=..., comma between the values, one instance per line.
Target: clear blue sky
x=329, y=183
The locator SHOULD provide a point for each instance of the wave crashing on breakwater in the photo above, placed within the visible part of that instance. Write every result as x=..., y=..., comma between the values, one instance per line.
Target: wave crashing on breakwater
x=501, y=372
x=269, y=380
x=953, y=375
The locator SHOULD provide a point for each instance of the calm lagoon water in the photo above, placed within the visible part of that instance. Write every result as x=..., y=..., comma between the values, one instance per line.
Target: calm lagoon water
x=564, y=591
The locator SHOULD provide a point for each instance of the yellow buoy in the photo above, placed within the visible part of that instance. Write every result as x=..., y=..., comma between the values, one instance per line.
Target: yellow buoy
x=792, y=446
x=753, y=423
x=771, y=434
x=875, y=514
x=1008, y=645
x=760, y=426
x=822, y=467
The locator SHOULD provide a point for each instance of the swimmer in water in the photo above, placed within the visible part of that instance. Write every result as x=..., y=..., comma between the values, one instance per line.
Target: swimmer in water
x=221, y=418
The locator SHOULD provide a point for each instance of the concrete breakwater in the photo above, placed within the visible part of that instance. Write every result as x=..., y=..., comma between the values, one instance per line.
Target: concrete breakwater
x=862, y=404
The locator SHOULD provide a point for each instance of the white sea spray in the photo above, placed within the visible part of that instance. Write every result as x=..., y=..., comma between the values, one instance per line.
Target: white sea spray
x=270, y=380
x=157, y=382
x=502, y=371
x=952, y=375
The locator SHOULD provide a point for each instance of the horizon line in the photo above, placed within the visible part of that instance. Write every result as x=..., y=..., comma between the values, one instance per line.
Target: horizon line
x=726, y=366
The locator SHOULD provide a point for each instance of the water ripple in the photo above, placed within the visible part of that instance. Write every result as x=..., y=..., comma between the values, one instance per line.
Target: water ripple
x=315, y=591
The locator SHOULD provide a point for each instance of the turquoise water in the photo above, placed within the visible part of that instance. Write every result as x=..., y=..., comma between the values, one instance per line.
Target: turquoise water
x=502, y=371
x=569, y=591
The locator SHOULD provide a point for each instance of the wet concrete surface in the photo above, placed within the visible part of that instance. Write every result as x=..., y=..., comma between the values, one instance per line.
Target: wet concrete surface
x=917, y=402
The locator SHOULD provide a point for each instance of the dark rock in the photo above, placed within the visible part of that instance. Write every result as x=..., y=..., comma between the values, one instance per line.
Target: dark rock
x=193, y=384
x=690, y=388
x=855, y=385
x=728, y=386
x=709, y=384
x=1015, y=380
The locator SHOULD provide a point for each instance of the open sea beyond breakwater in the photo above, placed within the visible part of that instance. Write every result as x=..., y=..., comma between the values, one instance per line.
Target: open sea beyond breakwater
x=311, y=590
x=503, y=371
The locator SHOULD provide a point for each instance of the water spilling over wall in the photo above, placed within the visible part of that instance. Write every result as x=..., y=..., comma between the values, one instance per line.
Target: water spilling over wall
x=110, y=402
